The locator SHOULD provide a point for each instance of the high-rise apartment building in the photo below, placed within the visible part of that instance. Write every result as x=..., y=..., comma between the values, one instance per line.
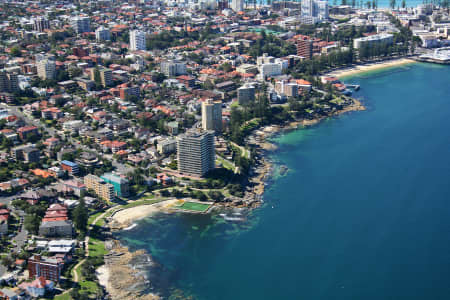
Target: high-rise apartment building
x=246, y=94
x=81, y=24
x=212, y=115
x=101, y=188
x=305, y=48
x=102, y=34
x=105, y=76
x=173, y=68
x=317, y=10
x=9, y=82
x=237, y=5
x=40, y=24
x=46, y=68
x=137, y=40
x=196, y=153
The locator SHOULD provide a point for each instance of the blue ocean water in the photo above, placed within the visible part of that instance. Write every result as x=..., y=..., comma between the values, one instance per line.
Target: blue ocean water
x=362, y=213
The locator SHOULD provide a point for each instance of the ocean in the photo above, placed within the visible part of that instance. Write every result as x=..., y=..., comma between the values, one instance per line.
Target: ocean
x=363, y=211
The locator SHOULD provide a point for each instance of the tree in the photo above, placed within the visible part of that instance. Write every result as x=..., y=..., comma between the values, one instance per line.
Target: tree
x=403, y=4
x=80, y=216
x=32, y=222
x=392, y=4
x=15, y=51
x=158, y=77
x=97, y=77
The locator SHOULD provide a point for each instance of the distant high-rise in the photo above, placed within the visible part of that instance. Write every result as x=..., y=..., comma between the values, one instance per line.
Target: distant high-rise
x=8, y=82
x=196, y=153
x=105, y=76
x=173, y=68
x=315, y=9
x=212, y=115
x=40, y=24
x=137, y=40
x=102, y=34
x=46, y=69
x=81, y=24
x=237, y=5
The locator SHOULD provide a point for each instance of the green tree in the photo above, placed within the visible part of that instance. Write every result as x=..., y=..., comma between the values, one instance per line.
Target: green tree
x=392, y=3
x=403, y=4
x=80, y=216
x=15, y=51
x=32, y=222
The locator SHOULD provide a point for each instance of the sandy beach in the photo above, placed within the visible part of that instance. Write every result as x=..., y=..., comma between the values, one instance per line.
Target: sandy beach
x=127, y=216
x=371, y=67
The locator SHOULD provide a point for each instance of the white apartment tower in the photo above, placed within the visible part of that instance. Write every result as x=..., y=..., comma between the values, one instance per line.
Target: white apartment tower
x=81, y=24
x=212, y=115
x=237, y=5
x=46, y=69
x=102, y=34
x=137, y=40
x=196, y=153
x=40, y=24
x=315, y=9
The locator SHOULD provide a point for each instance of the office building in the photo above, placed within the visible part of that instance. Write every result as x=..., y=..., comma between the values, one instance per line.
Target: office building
x=46, y=69
x=246, y=94
x=305, y=48
x=9, y=82
x=102, y=34
x=196, y=153
x=137, y=40
x=40, y=24
x=212, y=115
x=237, y=5
x=173, y=68
x=121, y=185
x=101, y=188
x=81, y=24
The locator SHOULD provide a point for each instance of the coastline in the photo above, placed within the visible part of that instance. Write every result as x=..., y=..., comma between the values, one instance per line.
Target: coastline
x=118, y=273
x=363, y=68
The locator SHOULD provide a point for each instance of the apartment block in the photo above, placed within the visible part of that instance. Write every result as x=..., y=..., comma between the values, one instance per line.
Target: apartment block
x=101, y=188
x=49, y=268
x=121, y=185
x=196, y=153
x=212, y=115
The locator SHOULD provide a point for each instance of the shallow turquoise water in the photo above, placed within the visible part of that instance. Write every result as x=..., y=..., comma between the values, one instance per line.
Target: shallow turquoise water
x=363, y=213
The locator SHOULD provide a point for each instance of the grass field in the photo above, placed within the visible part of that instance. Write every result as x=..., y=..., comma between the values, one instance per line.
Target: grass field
x=194, y=206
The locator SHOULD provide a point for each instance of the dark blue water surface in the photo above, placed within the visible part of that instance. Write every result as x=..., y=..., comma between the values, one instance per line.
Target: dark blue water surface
x=363, y=212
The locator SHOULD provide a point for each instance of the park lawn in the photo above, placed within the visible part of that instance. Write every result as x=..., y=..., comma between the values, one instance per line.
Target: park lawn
x=225, y=163
x=194, y=206
x=65, y=296
x=90, y=287
x=96, y=248
x=92, y=218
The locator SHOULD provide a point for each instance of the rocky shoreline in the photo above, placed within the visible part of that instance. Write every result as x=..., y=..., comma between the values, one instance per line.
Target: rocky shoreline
x=127, y=281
